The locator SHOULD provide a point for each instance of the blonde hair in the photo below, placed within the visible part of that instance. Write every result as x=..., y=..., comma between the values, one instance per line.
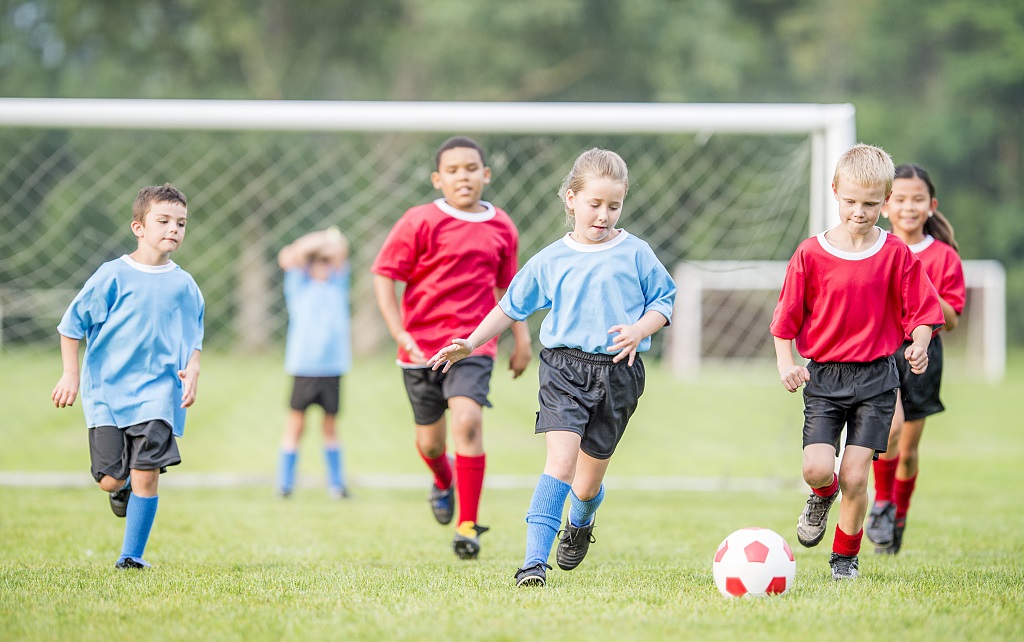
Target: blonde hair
x=593, y=163
x=866, y=165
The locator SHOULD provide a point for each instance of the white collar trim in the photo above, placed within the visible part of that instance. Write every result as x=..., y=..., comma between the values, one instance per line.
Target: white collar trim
x=149, y=269
x=923, y=245
x=472, y=217
x=598, y=247
x=853, y=256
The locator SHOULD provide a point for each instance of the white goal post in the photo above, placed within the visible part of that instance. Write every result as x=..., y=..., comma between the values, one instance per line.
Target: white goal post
x=708, y=181
x=978, y=345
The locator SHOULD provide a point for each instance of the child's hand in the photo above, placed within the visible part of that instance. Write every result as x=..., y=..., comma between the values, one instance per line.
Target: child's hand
x=189, y=382
x=409, y=345
x=66, y=391
x=521, y=355
x=917, y=357
x=794, y=376
x=457, y=351
x=626, y=343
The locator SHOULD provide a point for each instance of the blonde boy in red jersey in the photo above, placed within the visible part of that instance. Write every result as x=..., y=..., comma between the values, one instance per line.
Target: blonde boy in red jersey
x=456, y=256
x=850, y=296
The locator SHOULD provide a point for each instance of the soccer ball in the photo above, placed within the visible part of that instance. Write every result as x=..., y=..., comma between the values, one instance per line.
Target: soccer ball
x=754, y=562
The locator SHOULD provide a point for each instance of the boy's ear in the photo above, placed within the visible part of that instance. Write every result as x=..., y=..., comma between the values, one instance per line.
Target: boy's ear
x=435, y=179
x=487, y=175
x=138, y=228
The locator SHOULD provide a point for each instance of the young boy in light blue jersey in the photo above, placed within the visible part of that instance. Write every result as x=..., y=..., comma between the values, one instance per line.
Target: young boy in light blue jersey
x=142, y=320
x=319, y=347
x=608, y=293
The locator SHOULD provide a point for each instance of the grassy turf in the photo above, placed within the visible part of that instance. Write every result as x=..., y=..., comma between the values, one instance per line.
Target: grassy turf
x=234, y=563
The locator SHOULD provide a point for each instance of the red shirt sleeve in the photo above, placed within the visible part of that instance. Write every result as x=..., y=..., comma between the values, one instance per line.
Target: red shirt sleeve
x=789, y=313
x=920, y=299
x=398, y=256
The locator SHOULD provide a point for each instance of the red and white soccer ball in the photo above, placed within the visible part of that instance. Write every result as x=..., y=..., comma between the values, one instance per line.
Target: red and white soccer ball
x=754, y=562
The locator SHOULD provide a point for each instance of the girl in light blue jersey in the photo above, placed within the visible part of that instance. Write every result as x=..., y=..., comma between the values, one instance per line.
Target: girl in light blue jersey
x=142, y=320
x=607, y=293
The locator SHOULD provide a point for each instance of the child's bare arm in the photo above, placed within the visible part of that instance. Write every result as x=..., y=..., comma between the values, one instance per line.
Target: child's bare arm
x=66, y=391
x=792, y=375
x=189, y=380
x=628, y=337
x=522, y=350
x=329, y=243
x=387, y=301
x=917, y=352
x=493, y=324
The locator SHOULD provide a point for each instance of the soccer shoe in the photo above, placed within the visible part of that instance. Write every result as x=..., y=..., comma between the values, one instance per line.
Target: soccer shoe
x=881, y=524
x=337, y=493
x=442, y=502
x=131, y=562
x=533, y=575
x=897, y=539
x=573, y=544
x=844, y=567
x=467, y=540
x=810, y=527
x=119, y=500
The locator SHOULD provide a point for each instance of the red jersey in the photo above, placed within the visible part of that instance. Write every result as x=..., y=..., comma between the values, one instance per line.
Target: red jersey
x=944, y=269
x=853, y=307
x=451, y=262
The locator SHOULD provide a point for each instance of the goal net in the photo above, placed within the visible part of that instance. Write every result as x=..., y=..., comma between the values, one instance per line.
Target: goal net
x=708, y=183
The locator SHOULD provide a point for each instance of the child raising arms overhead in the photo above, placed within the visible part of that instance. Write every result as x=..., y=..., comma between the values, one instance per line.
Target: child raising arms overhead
x=914, y=218
x=607, y=293
x=850, y=296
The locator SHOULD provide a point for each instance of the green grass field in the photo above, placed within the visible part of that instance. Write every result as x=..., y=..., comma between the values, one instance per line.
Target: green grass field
x=234, y=563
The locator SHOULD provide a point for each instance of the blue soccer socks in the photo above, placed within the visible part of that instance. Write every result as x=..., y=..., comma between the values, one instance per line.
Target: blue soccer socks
x=581, y=513
x=544, y=518
x=335, y=469
x=138, y=524
x=286, y=472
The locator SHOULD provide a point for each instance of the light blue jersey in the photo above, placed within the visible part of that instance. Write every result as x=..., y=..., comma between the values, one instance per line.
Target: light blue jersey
x=319, y=332
x=589, y=289
x=141, y=324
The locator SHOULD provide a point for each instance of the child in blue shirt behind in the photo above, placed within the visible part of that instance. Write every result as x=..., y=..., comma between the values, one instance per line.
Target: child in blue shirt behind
x=142, y=320
x=318, y=350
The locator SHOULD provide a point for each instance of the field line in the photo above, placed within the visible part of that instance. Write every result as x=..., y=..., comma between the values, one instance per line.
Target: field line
x=400, y=481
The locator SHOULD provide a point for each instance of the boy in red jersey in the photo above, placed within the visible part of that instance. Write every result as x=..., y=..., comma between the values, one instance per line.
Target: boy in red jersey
x=850, y=296
x=456, y=256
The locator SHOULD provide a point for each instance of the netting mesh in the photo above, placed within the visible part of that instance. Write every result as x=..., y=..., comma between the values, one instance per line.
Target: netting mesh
x=65, y=205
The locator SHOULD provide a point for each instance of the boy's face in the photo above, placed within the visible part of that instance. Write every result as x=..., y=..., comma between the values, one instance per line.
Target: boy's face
x=162, y=229
x=461, y=176
x=859, y=205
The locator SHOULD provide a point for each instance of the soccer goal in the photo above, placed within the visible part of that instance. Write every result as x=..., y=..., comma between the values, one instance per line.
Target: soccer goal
x=724, y=309
x=709, y=182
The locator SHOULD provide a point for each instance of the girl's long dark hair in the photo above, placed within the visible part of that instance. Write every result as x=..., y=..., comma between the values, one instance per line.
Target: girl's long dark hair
x=937, y=225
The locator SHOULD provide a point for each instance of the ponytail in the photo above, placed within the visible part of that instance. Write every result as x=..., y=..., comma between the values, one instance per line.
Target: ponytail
x=939, y=227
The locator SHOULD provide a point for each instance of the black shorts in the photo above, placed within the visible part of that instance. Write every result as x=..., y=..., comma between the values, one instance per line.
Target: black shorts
x=429, y=390
x=861, y=396
x=116, y=451
x=921, y=391
x=589, y=395
x=322, y=391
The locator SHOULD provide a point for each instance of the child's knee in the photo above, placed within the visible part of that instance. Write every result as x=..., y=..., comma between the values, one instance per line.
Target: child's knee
x=109, y=484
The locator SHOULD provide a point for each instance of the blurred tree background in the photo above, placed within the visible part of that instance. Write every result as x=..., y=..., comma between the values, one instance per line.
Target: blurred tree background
x=940, y=83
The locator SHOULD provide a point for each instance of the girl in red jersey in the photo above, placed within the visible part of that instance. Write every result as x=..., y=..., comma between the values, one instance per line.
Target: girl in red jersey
x=850, y=296
x=914, y=218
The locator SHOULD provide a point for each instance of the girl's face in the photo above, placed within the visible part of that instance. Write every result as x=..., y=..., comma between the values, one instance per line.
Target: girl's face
x=596, y=209
x=909, y=207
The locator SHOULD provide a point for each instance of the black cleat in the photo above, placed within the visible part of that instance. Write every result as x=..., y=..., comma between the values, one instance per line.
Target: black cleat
x=881, y=524
x=467, y=540
x=534, y=575
x=897, y=539
x=119, y=500
x=573, y=544
x=810, y=527
x=442, y=502
x=844, y=567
